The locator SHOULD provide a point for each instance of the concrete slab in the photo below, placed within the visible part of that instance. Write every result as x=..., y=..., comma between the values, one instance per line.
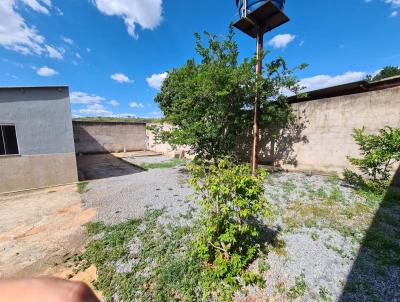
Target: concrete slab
x=40, y=230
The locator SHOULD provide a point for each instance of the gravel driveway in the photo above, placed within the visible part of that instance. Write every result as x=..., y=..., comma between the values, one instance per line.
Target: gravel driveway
x=119, y=198
x=321, y=226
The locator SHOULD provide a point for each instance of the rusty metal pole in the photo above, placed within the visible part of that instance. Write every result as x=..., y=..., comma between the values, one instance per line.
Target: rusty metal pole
x=256, y=130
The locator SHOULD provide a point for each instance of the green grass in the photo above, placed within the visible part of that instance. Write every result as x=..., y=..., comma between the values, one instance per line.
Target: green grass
x=82, y=187
x=164, y=165
x=336, y=249
x=288, y=187
x=324, y=294
x=160, y=268
x=334, y=180
x=336, y=195
x=156, y=263
x=118, y=120
x=299, y=289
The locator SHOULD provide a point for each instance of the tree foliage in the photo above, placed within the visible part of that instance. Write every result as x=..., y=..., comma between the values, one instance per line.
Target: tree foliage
x=208, y=104
x=228, y=237
x=378, y=154
x=386, y=72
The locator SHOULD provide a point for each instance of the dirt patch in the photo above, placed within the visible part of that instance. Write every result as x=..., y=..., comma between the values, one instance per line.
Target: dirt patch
x=38, y=228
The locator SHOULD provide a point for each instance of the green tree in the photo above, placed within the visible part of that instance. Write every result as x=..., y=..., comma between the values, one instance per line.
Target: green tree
x=208, y=104
x=386, y=72
x=378, y=154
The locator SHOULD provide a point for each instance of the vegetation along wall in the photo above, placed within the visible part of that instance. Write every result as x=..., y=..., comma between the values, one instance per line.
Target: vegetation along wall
x=321, y=138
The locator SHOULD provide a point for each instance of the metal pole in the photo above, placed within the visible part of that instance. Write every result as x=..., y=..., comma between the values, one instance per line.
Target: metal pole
x=256, y=130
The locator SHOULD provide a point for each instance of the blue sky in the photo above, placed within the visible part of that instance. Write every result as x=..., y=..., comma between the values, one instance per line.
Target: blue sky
x=114, y=54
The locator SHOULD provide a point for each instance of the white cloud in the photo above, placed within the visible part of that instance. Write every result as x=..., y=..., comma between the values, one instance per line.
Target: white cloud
x=281, y=41
x=55, y=53
x=323, y=81
x=146, y=13
x=120, y=78
x=136, y=105
x=68, y=40
x=17, y=35
x=94, y=110
x=94, y=105
x=113, y=103
x=98, y=110
x=394, y=14
x=395, y=3
x=78, y=56
x=59, y=11
x=155, y=114
x=156, y=80
x=12, y=76
x=40, y=6
x=78, y=97
x=46, y=72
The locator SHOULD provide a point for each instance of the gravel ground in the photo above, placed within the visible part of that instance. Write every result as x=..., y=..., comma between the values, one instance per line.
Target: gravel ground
x=327, y=260
x=125, y=197
x=321, y=257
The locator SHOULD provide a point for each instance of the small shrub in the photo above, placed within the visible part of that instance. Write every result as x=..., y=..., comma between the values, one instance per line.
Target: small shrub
x=228, y=239
x=263, y=266
x=82, y=187
x=378, y=154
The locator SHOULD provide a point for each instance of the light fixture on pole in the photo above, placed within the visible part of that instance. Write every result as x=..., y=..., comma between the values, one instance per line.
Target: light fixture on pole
x=256, y=18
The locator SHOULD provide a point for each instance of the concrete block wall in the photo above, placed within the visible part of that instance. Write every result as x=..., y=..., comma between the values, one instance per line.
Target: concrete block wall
x=104, y=137
x=327, y=127
x=165, y=148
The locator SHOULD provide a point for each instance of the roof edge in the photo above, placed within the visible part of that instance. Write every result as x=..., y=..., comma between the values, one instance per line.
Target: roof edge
x=347, y=89
x=33, y=87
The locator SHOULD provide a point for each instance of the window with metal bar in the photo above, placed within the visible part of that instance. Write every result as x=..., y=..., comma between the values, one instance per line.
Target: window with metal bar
x=8, y=140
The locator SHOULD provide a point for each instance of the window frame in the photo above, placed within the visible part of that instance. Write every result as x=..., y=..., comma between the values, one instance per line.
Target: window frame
x=4, y=143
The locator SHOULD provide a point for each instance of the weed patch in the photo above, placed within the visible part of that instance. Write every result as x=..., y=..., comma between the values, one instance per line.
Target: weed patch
x=140, y=260
x=324, y=294
x=350, y=220
x=163, y=165
x=82, y=187
x=298, y=289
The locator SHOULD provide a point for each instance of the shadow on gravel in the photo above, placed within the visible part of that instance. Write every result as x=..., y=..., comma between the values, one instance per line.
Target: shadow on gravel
x=97, y=162
x=375, y=275
x=100, y=166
